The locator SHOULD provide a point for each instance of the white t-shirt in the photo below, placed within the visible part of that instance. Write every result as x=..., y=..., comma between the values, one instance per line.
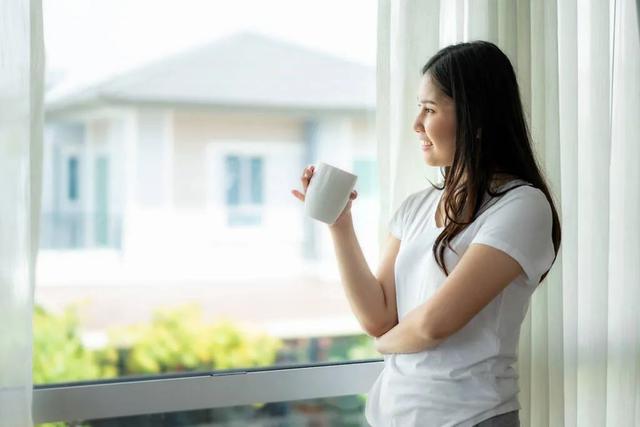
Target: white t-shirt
x=469, y=377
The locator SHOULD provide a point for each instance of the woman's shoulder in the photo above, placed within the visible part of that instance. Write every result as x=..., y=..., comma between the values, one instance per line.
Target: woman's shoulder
x=519, y=195
x=519, y=188
x=419, y=200
x=420, y=195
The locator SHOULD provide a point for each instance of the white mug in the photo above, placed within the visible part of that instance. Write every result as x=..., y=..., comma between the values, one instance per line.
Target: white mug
x=328, y=192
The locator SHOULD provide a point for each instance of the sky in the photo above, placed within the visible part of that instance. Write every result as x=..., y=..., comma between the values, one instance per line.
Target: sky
x=90, y=40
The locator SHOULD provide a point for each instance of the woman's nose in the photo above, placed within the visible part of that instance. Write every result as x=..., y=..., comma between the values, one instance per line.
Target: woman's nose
x=417, y=125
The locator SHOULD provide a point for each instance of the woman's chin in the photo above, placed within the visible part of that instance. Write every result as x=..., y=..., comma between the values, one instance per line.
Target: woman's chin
x=430, y=161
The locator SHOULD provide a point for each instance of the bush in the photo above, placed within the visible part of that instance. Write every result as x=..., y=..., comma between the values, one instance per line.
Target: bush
x=175, y=340
x=58, y=353
x=179, y=340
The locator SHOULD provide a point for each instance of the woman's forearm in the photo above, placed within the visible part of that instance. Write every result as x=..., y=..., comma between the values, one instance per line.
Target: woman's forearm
x=408, y=336
x=362, y=288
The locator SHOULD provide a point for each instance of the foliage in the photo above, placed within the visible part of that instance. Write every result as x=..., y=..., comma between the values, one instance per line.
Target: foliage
x=176, y=339
x=58, y=353
x=179, y=340
x=357, y=347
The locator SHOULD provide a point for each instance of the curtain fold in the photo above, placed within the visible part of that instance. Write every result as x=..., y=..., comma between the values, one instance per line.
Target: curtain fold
x=624, y=222
x=21, y=103
x=404, y=44
x=578, y=68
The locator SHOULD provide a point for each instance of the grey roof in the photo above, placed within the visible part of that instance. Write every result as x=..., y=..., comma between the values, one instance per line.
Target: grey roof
x=242, y=70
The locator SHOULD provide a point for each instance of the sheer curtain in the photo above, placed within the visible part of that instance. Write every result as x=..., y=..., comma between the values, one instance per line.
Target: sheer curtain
x=578, y=66
x=21, y=94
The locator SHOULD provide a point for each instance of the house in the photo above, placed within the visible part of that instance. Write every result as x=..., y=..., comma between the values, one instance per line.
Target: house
x=181, y=169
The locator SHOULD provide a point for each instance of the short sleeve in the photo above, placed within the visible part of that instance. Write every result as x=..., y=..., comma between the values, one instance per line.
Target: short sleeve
x=398, y=220
x=521, y=226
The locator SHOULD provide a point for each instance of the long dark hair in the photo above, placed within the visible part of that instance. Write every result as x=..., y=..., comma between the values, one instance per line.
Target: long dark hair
x=492, y=136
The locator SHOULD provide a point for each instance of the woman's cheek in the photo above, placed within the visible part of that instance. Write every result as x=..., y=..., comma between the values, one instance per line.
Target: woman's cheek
x=431, y=131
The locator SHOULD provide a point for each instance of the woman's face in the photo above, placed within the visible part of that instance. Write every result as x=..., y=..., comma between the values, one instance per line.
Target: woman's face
x=435, y=123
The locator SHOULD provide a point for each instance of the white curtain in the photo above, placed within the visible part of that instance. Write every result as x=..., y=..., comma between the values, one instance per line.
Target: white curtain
x=21, y=98
x=578, y=66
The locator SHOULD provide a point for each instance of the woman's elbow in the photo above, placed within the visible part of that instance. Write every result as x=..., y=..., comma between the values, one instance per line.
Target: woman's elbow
x=378, y=330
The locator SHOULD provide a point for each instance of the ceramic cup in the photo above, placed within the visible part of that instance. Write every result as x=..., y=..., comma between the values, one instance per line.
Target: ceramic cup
x=328, y=192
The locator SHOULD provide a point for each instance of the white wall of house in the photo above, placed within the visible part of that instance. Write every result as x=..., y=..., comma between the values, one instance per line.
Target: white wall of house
x=202, y=141
x=148, y=155
x=166, y=181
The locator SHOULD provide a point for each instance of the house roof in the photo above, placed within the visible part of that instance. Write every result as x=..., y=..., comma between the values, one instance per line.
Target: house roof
x=242, y=70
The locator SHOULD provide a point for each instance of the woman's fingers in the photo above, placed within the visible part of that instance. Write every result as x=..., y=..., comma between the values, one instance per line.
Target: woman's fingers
x=301, y=196
x=306, y=176
x=298, y=195
x=307, y=173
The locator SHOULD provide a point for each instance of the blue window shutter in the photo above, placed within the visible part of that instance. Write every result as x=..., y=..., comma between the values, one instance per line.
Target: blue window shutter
x=232, y=176
x=101, y=194
x=72, y=183
x=256, y=180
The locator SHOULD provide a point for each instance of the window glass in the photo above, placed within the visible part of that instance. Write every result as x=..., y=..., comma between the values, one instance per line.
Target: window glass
x=234, y=180
x=346, y=411
x=256, y=180
x=72, y=176
x=102, y=192
x=367, y=171
x=170, y=240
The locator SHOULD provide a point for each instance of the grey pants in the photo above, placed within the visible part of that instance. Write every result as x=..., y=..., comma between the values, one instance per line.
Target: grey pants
x=509, y=419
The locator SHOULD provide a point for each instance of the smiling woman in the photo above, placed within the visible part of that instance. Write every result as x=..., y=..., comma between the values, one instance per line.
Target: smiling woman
x=458, y=321
x=167, y=184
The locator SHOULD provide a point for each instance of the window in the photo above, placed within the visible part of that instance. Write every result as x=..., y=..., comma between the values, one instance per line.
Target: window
x=169, y=176
x=333, y=411
x=101, y=220
x=244, y=190
x=72, y=178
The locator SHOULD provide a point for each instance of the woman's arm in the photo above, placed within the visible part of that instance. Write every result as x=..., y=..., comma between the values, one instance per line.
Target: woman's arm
x=372, y=299
x=470, y=287
x=408, y=336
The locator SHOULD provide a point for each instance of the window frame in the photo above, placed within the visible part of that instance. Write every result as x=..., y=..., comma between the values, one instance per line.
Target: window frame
x=201, y=390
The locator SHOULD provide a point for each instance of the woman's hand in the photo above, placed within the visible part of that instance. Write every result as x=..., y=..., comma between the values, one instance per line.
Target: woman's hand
x=345, y=215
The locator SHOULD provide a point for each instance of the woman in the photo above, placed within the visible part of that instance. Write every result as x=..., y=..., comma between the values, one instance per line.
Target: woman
x=461, y=260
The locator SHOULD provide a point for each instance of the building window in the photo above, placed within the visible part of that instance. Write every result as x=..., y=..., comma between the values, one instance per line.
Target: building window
x=244, y=196
x=101, y=213
x=72, y=178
